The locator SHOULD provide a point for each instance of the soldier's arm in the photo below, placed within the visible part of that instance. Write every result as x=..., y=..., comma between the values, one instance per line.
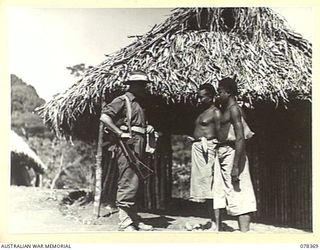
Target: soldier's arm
x=235, y=119
x=108, y=122
x=109, y=113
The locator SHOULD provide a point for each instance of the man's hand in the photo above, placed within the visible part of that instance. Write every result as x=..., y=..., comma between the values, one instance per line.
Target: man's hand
x=189, y=140
x=150, y=129
x=235, y=181
x=235, y=175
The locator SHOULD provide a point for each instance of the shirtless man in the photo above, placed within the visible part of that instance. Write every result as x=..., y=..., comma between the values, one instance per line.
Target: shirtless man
x=234, y=131
x=204, y=151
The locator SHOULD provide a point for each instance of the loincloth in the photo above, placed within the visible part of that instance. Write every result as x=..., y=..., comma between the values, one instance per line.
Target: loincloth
x=238, y=198
x=205, y=165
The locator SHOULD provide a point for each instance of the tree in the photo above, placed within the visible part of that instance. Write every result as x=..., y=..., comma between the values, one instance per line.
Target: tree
x=24, y=97
x=70, y=164
x=24, y=100
x=78, y=70
x=181, y=167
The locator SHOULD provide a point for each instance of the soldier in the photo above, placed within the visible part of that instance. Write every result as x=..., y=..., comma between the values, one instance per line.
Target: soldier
x=115, y=116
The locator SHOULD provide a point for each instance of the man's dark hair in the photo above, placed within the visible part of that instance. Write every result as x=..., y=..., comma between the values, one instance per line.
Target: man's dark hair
x=229, y=85
x=208, y=87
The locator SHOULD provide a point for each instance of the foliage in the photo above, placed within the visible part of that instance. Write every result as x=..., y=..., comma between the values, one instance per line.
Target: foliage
x=181, y=167
x=78, y=70
x=76, y=160
x=24, y=99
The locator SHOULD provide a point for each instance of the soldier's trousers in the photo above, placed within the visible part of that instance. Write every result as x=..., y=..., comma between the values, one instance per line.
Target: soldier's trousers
x=128, y=183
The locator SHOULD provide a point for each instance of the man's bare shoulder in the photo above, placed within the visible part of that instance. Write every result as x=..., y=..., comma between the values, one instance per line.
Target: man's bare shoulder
x=235, y=108
x=235, y=112
x=208, y=114
x=215, y=111
x=212, y=111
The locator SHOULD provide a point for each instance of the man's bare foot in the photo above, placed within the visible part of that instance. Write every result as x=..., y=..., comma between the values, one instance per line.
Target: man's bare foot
x=214, y=227
x=211, y=226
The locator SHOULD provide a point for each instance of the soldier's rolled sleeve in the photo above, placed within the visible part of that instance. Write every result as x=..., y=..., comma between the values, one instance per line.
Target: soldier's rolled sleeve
x=114, y=108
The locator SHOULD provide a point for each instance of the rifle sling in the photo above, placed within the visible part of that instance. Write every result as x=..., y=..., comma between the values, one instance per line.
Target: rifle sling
x=129, y=113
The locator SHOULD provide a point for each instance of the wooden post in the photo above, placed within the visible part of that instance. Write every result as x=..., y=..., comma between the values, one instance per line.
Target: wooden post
x=149, y=184
x=156, y=190
x=98, y=173
x=39, y=180
x=169, y=171
x=163, y=173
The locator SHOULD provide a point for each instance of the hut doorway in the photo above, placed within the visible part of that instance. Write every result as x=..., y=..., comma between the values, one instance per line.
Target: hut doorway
x=21, y=174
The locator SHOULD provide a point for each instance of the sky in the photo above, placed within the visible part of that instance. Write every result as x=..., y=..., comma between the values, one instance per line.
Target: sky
x=43, y=42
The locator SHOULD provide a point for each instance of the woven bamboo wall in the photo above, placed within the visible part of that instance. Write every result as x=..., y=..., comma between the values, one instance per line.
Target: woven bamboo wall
x=280, y=159
x=156, y=190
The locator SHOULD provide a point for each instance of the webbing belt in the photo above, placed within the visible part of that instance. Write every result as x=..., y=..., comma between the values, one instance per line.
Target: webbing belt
x=136, y=129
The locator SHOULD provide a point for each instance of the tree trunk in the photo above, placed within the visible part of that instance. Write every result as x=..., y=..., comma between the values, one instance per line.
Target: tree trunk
x=53, y=183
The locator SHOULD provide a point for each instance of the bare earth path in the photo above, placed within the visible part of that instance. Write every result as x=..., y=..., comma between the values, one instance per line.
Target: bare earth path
x=36, y=210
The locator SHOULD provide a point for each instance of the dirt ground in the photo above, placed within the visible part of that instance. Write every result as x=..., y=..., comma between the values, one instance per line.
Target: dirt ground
x=36, y=210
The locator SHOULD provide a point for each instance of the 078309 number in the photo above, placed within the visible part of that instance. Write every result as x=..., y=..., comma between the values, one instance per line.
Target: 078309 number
x=309, y=245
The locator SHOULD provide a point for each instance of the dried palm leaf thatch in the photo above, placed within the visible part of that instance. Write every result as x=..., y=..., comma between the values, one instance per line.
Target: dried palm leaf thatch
x=192, y=47
x=20, y=150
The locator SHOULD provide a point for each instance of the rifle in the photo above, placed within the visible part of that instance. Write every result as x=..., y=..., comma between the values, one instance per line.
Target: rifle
x=142, y=170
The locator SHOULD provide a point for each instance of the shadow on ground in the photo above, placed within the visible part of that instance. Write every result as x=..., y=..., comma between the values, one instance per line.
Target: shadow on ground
x=178, y=214
x=184, y=208
x=159, y=221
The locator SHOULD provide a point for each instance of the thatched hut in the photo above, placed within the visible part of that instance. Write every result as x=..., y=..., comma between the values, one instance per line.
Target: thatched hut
x=272, y=65
x=26, y=166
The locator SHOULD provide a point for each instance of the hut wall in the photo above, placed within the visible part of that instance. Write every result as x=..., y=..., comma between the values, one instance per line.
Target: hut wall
x=280, y=157
x=156, y=190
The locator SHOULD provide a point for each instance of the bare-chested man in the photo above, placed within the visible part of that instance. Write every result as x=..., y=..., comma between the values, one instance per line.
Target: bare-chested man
x=240, y=198
x=203, y=155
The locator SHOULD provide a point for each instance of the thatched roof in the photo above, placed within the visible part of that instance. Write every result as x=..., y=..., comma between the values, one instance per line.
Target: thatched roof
x=195, y=46
x=21, y=151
